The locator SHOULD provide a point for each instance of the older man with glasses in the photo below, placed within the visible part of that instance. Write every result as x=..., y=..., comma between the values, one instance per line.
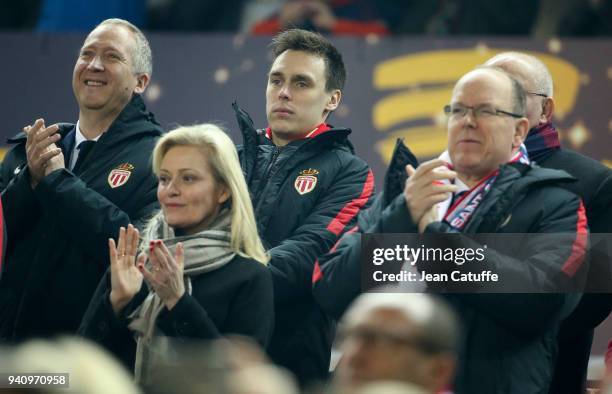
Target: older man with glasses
x=485, y=184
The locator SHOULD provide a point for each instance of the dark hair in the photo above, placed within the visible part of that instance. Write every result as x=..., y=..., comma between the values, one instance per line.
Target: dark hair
x=316, y=44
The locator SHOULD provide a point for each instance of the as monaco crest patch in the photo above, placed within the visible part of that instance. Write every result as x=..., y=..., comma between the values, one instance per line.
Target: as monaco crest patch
x=120, y=175
x=306, y=181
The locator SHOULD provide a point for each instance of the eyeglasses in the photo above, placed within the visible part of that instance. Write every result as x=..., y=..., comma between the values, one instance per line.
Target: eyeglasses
x=537, y=94
x=377, y=337
x=458, y=111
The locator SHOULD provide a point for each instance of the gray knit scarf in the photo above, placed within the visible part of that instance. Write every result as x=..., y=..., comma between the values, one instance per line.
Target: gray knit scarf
x=205, y=251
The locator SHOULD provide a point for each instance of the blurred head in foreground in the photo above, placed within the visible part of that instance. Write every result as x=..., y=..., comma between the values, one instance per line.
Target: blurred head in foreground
x=403, y=338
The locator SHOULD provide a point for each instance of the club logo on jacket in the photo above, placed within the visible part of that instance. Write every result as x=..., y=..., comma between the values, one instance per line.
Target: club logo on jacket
x=120, y=175
x=306, y=181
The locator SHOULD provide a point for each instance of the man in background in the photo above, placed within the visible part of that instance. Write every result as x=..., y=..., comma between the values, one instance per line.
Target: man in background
x=594, y=186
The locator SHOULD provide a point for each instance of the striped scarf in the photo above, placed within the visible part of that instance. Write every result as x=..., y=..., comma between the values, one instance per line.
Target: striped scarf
x=457, y=210
x=541, y=141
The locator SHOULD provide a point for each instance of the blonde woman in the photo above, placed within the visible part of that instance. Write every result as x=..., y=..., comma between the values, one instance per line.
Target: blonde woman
x=201, y=271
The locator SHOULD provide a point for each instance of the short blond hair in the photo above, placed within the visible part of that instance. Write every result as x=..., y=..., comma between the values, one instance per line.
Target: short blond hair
x=222, y=157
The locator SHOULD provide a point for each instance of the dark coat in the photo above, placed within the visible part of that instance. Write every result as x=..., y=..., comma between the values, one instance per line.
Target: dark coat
x=297, y=227
x=594, y=185
x=509, y=338
x=57, y=249
x=2, y=238
x=336, y=279
x=234, y=299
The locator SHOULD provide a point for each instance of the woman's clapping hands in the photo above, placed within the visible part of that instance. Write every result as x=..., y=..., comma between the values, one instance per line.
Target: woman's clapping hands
x=126, y=278
x=166, y=277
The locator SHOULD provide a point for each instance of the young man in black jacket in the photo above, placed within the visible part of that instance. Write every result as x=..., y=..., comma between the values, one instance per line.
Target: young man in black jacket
x=594, y=185
x=66, y=189
x=307, y=188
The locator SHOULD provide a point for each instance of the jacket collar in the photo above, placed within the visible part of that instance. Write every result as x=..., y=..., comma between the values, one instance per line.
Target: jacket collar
x=134, y=120
x=252, y=136
x=320, y=129
x=514, y=181
x=395, y=177
x=533, y=173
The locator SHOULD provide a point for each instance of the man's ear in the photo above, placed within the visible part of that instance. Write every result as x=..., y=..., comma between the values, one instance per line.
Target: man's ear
x=548, y=108
x=334, y=100
x=520, y=132
x=142, y=83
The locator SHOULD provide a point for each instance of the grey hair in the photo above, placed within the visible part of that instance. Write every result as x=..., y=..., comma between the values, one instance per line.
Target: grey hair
x=142, y=58
x=438, y=326
x=541, y=77
x=519, y=97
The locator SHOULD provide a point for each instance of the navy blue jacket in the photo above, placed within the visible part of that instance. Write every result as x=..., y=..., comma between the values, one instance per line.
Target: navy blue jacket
x=306, y=195
x=234, y=299
x=594, y=185
x=57, y=248
x=509, y=344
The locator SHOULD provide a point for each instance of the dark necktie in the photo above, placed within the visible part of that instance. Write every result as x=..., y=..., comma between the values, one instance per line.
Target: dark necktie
x=84, y=148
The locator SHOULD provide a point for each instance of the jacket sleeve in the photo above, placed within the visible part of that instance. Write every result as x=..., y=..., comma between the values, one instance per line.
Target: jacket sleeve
x=188, y=319
x=395, y=218
x=251, y=314
x=101, y=325
x=21, y=207
x=95, y=218
x=292, y=262
x=553, y=260
x=337, y=275
x=336, y=279
x=252, y=311
x=596, y=303
x=600, y=211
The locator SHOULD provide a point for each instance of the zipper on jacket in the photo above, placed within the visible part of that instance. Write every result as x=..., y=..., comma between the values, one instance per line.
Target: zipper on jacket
x=264, y=184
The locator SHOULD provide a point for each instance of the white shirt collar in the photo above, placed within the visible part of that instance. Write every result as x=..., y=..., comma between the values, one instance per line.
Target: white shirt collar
x=78, y=138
